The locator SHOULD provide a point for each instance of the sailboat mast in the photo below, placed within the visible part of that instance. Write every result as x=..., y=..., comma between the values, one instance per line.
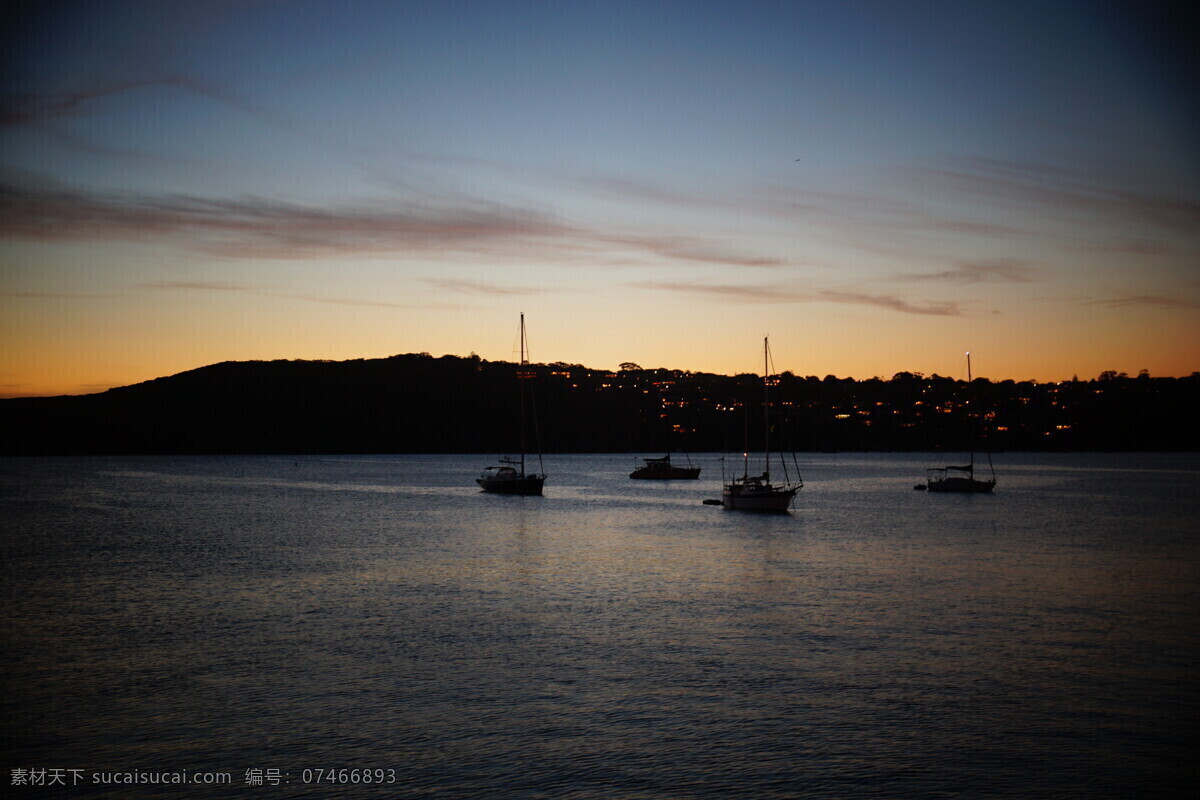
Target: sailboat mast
x=746, y=441
x=971, y=433
x=521, y=387
x=766, y=409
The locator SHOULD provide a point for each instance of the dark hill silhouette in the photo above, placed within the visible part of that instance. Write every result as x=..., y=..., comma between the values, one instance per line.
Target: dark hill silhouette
x=418, y=403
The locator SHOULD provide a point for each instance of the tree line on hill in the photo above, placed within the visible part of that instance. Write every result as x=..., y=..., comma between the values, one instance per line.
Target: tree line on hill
x=416, y=403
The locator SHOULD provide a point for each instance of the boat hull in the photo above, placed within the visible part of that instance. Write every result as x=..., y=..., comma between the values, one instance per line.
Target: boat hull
x=666, y=473
x=526, y=485
x=776, y=501
x=961, y=485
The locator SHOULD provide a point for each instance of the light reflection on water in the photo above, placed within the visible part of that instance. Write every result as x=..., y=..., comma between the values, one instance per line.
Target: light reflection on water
x=615, y=638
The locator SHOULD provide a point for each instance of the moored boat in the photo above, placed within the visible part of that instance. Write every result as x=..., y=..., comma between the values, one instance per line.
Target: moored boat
x=940, y=479
x=960, y=478
x=509, y=476
x=661, y=469
x=757, y=492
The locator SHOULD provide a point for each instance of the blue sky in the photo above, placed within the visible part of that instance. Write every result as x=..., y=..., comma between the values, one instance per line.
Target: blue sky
x=878, y=186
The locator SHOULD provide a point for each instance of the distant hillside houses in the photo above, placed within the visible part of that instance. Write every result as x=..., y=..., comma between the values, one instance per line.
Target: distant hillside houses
x=419, y=403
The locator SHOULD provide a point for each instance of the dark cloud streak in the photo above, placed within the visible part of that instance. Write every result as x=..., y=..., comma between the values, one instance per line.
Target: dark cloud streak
x=264, y=228
x=479, y=287
x=775, y=294
x=993, y=271
x=256, y=225
x=1046, y=189
x=1151, y=300
x=220, y=286
x=52, y=296
x=25, y=108
x=217, y=286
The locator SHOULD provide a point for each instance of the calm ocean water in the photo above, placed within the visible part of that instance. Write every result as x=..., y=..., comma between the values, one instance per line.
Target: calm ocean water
x=283, y=617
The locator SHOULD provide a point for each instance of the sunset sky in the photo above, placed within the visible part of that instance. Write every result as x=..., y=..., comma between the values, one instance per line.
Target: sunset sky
x=878, y=186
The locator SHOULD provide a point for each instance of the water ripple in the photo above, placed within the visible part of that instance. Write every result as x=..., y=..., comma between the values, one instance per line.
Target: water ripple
x=613, y=639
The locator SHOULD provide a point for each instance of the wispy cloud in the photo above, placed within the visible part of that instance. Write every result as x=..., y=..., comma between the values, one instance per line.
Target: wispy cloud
x=690, y=249
x=479, y=287
x=257, y=226
x=1151, y=300
x=733, y=292
x=776, y=294
x=881, y=211
x=938, y=308
x=219, y=286
x=902, y=206
x=987, y=271
x=349, y=301
x=50, y=295
x=216, y=286
x=868, y=218
x=252, y=227
x=23, y=108
x=626, y=190
x=915, y=213
x=1047, y=189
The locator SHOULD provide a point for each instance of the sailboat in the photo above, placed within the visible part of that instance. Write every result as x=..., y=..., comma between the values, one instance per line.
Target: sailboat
x=757, y=492
x=962, y=478
x=510, y=477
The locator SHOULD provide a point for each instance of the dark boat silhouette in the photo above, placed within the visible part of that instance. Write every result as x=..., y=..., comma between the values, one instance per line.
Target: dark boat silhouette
x=661, y=469
x=509, y=476
x=757, y=492
x=960, y=479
